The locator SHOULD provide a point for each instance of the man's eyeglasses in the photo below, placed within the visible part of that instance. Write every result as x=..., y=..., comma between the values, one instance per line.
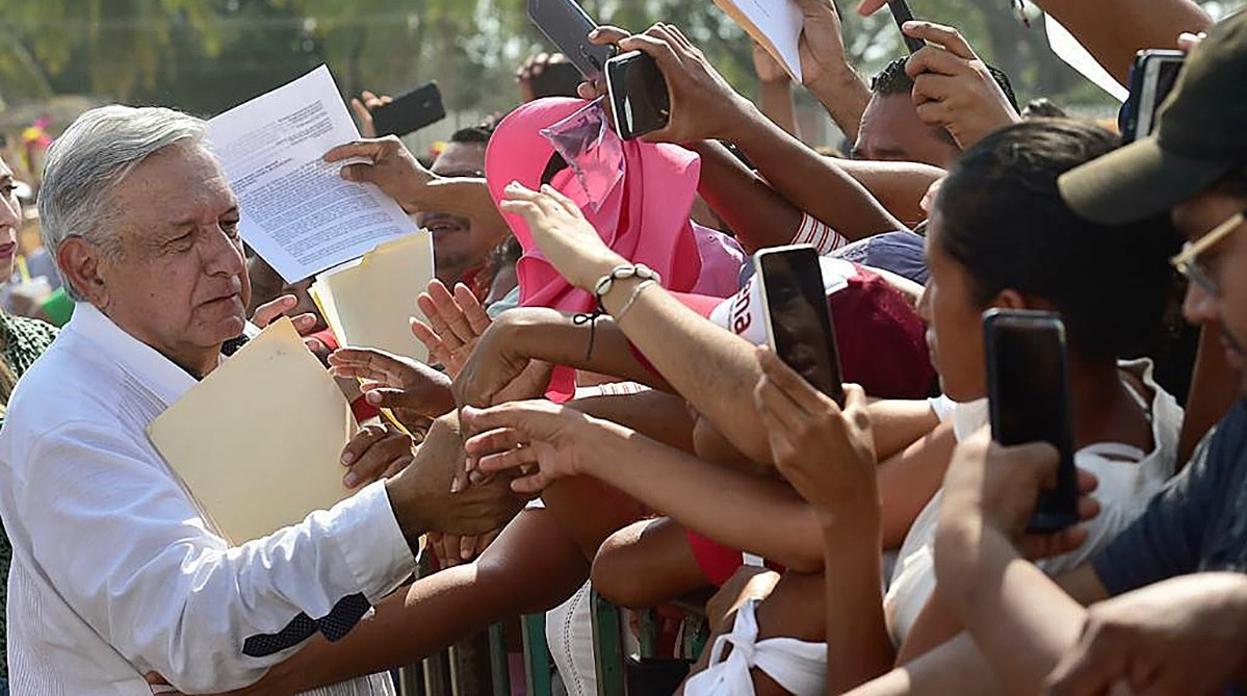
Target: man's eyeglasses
x=1187, y=261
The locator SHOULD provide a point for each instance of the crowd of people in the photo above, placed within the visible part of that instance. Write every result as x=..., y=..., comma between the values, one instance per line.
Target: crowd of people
x=601, y=410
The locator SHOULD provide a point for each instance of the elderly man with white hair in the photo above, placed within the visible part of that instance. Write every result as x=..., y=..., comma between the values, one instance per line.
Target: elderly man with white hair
x=116, y=577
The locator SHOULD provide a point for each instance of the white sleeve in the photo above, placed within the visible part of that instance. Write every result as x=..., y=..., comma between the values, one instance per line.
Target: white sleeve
x=819, y=234
x=128, y=551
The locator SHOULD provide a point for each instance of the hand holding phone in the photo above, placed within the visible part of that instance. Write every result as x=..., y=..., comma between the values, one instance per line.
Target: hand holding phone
x=1029, y=400
x=638, y=94
x=798, y=321
x=419, y=108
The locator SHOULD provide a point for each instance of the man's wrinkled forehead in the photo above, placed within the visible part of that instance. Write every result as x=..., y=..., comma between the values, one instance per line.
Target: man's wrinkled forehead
x=183, y=182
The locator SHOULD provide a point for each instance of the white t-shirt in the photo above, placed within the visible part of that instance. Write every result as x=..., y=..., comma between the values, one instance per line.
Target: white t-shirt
x=1127, y=477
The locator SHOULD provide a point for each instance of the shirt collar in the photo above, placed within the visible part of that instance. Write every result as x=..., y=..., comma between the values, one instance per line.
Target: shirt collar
x=142, y=362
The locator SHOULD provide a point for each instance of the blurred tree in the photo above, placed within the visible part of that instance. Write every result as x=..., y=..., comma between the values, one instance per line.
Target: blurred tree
x=207, y=55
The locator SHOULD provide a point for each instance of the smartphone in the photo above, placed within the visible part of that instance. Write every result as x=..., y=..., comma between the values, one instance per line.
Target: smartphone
x=638, y=94
x=556, y=80
x=566, y=24
x=798, y=321
x=1152, y=77
x=409, y=113
x=1028, y=394
x=901, y=13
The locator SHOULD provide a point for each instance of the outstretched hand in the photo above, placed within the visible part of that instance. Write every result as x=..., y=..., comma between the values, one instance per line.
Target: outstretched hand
x=414, y=391
x=562, y=233
x=454, y=323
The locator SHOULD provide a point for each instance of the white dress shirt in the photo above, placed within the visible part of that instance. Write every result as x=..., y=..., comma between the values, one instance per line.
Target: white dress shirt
x=115, y=574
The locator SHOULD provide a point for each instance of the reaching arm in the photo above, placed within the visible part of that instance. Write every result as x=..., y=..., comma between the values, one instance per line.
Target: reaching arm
x=758, y=215
x=1114, y=30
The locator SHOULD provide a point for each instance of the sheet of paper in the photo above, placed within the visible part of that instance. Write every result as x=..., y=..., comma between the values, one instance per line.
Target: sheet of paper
x=257, y=443
x=368, y=303
x=775, y=24
x=297, y=213
x=1068, y=49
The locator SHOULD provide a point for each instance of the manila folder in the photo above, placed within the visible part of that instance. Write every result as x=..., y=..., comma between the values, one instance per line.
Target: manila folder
x=257, y=443
x=369, y=302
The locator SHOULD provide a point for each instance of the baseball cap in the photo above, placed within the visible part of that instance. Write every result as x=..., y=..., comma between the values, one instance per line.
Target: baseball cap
x=1199, y=139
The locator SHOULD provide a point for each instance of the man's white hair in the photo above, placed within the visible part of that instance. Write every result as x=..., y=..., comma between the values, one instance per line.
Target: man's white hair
x=91, y=157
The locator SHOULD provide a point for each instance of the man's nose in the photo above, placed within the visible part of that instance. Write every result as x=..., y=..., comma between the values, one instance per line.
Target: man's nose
x=1199, y=307
x=223, y=255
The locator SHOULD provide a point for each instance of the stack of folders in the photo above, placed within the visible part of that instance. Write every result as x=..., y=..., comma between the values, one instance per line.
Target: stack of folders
x=257, y=443
x=369, y=302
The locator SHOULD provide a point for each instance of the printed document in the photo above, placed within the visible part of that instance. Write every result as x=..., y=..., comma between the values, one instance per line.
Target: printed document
x=297, y=212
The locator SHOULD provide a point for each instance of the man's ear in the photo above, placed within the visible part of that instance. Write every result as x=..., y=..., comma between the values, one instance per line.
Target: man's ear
x=79, y=261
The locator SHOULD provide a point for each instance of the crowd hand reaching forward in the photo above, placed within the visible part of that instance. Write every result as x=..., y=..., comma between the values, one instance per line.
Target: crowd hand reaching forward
x=414, y=392
x=532, y=68
x=389, y=165
x=540, y=439
x=562, y=233
x=363, y=106
x=1181, y=636
x=703, y=105
x=376, y=452
x=454, y=323
x=953, y=88
x=825, y=452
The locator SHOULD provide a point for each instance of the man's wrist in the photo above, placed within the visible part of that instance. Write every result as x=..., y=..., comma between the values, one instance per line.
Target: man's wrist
x=407, y=511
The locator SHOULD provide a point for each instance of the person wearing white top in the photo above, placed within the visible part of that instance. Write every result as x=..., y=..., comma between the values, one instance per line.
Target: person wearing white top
x=117, y=581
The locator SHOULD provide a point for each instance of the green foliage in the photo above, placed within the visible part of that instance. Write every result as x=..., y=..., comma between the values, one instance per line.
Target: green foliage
x=207, y=55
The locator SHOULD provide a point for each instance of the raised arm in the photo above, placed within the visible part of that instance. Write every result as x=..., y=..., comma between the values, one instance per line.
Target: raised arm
x=1114, y=30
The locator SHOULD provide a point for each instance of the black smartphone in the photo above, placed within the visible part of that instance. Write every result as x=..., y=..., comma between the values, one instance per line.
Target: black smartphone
x=566, y=24
x=638, y=94
x=798, y=321
x=409, y=113
x=556, y=80
x=1028, y=394
x=1152, y=77
x=901, y=13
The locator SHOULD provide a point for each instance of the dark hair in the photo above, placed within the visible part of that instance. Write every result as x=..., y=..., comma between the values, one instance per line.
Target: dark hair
x=1042, y=108
x=894, y=80
x=1003, y=219
x=478, y=134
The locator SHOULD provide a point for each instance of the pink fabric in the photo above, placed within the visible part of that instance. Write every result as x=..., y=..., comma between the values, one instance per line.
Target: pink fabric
x=721, y=259
x=645, y=218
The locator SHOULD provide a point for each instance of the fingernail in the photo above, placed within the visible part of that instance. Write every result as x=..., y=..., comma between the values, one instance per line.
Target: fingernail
x=595, y=33
x=373, y=398
x=465, y=554
x=456, y=486
x=350, y=480
x=347, y=458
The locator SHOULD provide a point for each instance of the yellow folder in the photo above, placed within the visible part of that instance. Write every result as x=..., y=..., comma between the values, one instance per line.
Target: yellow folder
x=257, y=443
x=369, y=302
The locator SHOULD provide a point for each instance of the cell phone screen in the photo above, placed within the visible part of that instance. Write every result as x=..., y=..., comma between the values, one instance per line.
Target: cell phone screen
x=1029, y=399
x=1166, y=77
x=638, y=94
x=799, y=322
